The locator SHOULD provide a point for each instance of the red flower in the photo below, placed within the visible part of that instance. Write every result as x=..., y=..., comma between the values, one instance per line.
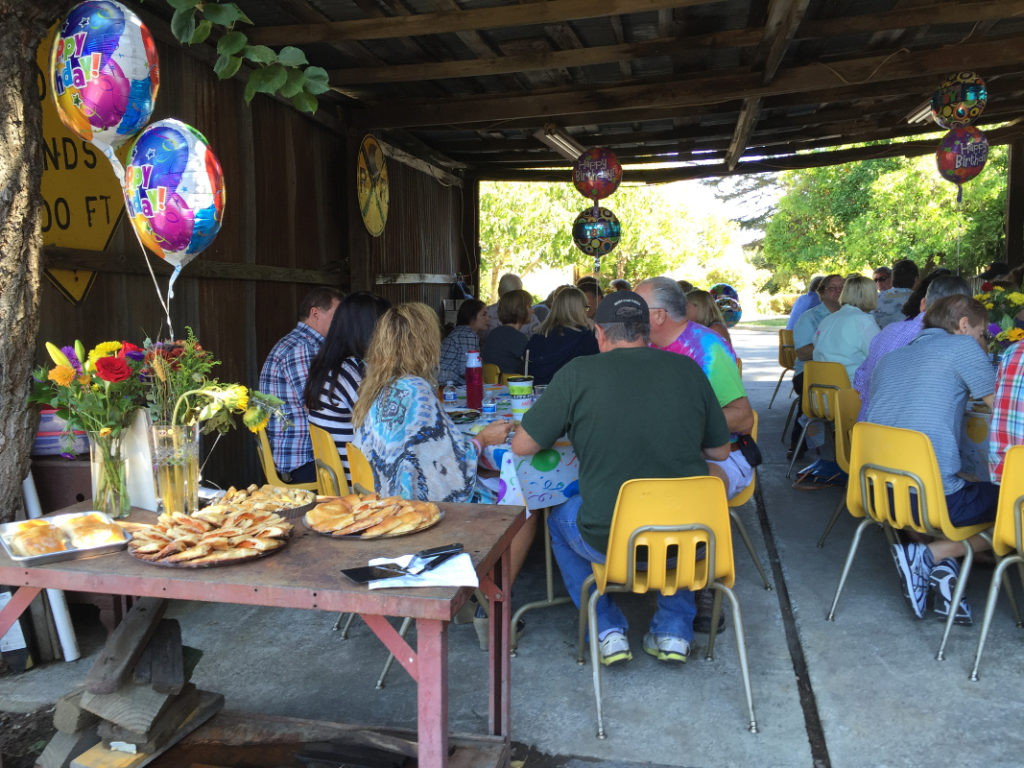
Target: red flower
x=131, y=351
x=986, y=286
x=113, y=369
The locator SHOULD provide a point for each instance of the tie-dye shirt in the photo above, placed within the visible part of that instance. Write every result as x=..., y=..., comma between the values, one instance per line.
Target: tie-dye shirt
x=713, y=355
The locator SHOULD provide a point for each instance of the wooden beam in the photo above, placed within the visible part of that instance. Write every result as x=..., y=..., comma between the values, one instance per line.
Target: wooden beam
x=939, y=13
x=405, y=158
x=414, y=278
x=132, y=264
x=444, y=22
x=745, y=124
x=688, y=90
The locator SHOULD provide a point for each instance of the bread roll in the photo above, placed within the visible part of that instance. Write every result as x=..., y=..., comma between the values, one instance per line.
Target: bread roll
x=38, y=540
x=95, y=534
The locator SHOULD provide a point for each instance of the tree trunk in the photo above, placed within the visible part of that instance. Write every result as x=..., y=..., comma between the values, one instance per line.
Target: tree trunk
x=21, y=241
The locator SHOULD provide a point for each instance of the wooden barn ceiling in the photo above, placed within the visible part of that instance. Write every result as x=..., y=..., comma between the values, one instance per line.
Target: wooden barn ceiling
x=714, y=87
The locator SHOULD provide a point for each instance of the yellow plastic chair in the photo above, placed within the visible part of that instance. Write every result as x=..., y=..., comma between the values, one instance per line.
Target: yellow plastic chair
x=1007, y=541
x=492, y=373
x=267, y=462
x=787, y=359
x=680, y=527
x=847, y=408
x=359, y=470
x=822, y=382
x=330, y=472
x=887, y=466
x=739, y=500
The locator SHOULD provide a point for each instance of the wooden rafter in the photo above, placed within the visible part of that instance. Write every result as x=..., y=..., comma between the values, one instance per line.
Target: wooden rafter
x=697, y=91
x=443, y=22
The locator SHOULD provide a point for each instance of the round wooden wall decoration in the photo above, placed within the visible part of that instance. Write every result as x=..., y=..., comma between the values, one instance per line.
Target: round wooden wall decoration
x=372, y=185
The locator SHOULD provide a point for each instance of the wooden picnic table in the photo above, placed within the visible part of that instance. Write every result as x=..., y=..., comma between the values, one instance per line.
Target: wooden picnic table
x=306, y=574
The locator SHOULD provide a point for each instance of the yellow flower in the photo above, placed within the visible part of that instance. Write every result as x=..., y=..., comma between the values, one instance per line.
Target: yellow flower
x=104, y=349
x=989, y=305
x=1016, y=297
x=237, y=398
x=255, y=419
x=998, y=288
x=58, y=357
x=62, y=375
x=1016, y=334
x=105, y=431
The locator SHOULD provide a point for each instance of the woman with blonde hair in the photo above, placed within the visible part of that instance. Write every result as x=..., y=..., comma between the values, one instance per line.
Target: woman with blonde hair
x=565, y=333
x=845, y=335
x=412, y=445
x=701, y=308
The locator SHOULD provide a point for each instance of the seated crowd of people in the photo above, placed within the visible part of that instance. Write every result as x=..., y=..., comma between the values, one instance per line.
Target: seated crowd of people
x=917, y=369
x=368, y=373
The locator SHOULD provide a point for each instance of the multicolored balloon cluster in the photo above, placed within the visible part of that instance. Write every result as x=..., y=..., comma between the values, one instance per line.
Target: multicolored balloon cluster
x=105, y=76
x=596, y=174
x=958, y=102
x=728, y=301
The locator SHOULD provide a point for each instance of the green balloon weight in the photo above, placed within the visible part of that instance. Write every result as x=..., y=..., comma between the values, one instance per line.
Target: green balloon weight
x=545, y=461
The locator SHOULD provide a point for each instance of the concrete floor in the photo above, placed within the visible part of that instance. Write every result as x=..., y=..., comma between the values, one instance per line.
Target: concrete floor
x=865, y=690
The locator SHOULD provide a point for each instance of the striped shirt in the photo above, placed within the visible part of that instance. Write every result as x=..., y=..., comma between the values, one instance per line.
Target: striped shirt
x=1008, y=410
x=893, y=336
x=336, y=399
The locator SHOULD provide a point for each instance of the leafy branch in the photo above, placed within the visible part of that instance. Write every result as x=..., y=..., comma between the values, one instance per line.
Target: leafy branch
x=286, y=72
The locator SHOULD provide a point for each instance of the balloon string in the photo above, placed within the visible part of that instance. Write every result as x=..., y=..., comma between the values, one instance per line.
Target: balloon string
x=959, y=223
x=164, y=303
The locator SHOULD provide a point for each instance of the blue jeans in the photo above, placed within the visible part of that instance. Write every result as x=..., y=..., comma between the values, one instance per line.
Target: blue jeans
x=574, y=557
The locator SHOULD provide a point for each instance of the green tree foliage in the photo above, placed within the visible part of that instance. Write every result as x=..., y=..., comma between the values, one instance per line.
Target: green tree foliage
x=850, y=218
x=524, y=226
x=285, y=71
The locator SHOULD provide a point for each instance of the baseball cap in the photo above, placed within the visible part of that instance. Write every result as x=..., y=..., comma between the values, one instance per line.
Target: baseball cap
x=995, y=269
x=622, y=307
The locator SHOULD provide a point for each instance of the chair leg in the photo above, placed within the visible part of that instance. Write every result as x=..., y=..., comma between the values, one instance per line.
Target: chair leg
x=800, y=442
x=789, y=419
x=549, y=571
x=348, y=623
x=594, y=661
x=832, y=521
x=583, y=618
x=716, y=611
x=846, y=566
x=990, y=605
x=750, y=547
x=406, y=622
x=741, y=648
x=777, y=385
x=961, y=587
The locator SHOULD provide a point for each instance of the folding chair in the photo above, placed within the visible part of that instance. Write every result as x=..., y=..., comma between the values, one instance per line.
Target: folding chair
x=822, y=382
x=267, y=463
x=787, y=359
x=847, y=408
x=330, y=472
x=739, y=500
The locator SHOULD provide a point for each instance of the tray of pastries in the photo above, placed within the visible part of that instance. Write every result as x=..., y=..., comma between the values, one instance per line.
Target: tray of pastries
x=287, y=502
x=69, y=536
x=370, y=517
x=209, y=538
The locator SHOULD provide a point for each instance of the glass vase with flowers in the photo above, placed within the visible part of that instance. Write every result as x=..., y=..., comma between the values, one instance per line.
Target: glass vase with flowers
x=98, y=393
x=185, y=399
x=1005, y=307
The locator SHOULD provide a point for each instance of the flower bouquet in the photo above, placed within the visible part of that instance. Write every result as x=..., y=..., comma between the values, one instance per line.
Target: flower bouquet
x=98, y=393
x=1003, y=306
x=183, y=398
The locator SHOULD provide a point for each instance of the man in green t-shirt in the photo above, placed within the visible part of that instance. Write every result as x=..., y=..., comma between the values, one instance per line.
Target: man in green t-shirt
x=674, y=427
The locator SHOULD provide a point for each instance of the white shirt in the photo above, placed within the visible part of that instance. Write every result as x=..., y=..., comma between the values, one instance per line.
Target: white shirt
x=845, y=337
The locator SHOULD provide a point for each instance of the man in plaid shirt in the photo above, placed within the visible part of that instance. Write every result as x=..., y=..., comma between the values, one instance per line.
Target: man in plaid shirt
x=284, y=375
x=1007, y=416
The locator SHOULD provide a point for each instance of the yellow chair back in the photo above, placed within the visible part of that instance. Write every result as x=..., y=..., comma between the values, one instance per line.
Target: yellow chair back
x=492, y=373
x=330, y=472
x=267, y=463
x=743, y=496
x=887, y=466
x=847, y=408
x=360, y=470
x=822, y=382
x=653, y=516
x=787, y=350
x=1008, y=534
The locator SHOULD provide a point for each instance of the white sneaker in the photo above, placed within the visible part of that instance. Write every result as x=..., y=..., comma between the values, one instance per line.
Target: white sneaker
x=615, y=648
x=666, y=647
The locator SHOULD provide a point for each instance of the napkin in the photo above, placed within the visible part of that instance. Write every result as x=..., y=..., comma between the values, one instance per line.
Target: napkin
x=456, y=571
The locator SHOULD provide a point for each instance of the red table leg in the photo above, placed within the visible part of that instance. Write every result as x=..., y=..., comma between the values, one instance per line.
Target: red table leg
x=432, y=692
x=19, y=602
x=499, y=718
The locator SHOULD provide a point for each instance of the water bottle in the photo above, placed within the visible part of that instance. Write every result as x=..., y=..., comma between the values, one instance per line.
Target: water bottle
x=489, y=409
x=449, y=394
x=474, y=380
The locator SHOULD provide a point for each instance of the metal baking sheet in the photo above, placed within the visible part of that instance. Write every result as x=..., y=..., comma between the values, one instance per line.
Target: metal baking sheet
x=7, y=531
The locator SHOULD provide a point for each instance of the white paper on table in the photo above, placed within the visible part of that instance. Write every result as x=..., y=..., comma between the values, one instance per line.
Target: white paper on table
x=456, y=571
